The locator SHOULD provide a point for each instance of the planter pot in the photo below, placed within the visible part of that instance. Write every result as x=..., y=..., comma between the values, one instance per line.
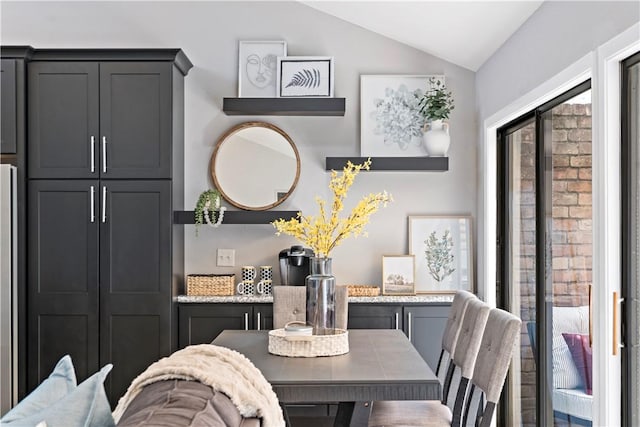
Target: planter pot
x=436, y=138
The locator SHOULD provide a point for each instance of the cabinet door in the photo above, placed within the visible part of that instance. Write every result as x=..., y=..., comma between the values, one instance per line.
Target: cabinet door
x=62, y=284
x=135, y=278
x=8, y=107
x=263, y=317
x=135, y=119
x=62, y=120
x=424, y=325
x=201, y=323
x=374, y=316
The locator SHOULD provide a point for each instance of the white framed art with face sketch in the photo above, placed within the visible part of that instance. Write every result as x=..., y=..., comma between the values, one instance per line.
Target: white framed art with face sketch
x=257, y=67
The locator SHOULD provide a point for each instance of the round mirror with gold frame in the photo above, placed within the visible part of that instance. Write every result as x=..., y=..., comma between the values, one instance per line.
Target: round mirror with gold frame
x=255, y=166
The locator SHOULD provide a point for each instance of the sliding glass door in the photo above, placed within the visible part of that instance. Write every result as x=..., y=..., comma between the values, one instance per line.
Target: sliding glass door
x=545, y=257
x=631, y=236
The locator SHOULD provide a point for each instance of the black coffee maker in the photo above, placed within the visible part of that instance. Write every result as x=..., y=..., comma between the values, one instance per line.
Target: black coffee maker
x=294, y=265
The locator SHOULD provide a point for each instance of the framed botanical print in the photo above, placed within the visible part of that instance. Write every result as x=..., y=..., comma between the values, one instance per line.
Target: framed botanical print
x=390, y=121
x=257, y=67
x=442, y=246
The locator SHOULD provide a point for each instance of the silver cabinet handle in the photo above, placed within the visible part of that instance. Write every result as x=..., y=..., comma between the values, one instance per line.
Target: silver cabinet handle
x=409, y=323
x=397, y=320
x=93, y=205
x=104, y=204
x=258, y=321
x=104, y=154
x=246, y=321
x=93, y=154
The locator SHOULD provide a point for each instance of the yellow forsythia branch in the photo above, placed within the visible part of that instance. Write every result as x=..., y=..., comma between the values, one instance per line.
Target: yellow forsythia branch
x=323, y=233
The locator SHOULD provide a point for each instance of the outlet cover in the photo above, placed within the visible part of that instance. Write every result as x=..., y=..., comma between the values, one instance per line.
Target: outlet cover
x=226, y=258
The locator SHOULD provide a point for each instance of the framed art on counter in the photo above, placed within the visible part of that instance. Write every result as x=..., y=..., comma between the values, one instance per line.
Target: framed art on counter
x=398, y=275
x=257, y=67
x=442, y=246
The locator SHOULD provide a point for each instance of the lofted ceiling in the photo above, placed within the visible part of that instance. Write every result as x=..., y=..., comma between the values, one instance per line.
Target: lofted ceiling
x=465, y=33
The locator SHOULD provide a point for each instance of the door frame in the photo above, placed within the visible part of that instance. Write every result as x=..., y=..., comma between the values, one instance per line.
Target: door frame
x=628, y=288
x=602, y=67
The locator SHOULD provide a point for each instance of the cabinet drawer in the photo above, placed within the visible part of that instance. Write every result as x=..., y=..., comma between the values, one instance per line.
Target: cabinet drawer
x=375, y=316
x=201, y=323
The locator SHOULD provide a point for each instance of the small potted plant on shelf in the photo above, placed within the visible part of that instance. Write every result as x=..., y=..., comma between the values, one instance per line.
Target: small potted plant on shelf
x=436, y=105
x=209, y=209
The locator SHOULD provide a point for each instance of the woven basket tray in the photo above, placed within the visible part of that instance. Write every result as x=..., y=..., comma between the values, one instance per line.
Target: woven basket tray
x=210, y=284
x=308, y=346
x=363, y=290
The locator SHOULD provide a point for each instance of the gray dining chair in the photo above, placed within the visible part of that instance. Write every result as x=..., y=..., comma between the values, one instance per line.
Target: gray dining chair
x=451, y=330
x=290, y=304
x=489, y=374
x=449, y=412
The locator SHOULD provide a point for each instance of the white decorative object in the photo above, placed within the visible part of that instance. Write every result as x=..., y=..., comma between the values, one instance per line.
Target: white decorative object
x=282, y=344
x=391, y=123
x=436, y=138
x=257, y=67
x=305, y=76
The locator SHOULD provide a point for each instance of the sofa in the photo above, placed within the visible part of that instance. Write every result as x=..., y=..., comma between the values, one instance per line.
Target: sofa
x=176, y=391
x=175, y=403
x=572, y=372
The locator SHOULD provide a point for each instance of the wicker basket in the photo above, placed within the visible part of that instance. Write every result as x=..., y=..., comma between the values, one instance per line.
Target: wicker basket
x=210, y=284
x=363, y=290
x=281, y=344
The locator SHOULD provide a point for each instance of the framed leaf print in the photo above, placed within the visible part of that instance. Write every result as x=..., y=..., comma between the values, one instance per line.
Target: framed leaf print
x=443, y=249
x=305, y=76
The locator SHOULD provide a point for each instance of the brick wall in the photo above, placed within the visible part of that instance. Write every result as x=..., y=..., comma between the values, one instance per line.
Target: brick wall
x=570, y=228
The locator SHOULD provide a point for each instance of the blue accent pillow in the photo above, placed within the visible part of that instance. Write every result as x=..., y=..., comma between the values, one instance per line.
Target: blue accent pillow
x=84, y=406
x=61, y=382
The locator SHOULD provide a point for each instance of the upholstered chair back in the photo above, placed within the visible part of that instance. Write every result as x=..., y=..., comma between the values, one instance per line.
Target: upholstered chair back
x=290, y=304
x=464, y=358
x=501, y=336
x=451, y=331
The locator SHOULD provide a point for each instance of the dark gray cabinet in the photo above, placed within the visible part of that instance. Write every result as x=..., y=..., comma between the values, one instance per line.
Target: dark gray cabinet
x=8, y=99
x=135, y=278
x=375, y=316
x=63, y=296
x=424, y=325
x=100, y=119
x=105, y=173
x=201, y=323
x=100, y=266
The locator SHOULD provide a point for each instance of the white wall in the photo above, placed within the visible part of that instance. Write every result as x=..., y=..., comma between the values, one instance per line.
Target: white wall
x=209, y=33
x=554, y=38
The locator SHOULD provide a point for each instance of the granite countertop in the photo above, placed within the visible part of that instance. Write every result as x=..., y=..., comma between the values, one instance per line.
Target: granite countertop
x=422, y=298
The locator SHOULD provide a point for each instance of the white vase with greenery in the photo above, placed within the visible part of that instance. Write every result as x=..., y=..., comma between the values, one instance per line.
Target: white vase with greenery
x=436, y=105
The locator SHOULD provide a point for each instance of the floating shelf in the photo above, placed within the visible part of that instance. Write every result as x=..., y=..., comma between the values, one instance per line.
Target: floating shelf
x=283, y=106
x=237, y=217
x=432, y=164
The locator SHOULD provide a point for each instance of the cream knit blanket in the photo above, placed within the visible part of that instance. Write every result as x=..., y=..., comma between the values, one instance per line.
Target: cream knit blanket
x=223, y=369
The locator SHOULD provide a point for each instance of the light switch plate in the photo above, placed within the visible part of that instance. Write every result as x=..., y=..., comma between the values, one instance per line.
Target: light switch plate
x=226, y=258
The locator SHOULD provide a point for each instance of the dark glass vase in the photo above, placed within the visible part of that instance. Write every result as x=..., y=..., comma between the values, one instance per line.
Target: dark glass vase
x=321, y=297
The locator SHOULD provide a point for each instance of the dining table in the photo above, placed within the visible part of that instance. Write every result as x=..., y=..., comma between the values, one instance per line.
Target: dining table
x=381, y=364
